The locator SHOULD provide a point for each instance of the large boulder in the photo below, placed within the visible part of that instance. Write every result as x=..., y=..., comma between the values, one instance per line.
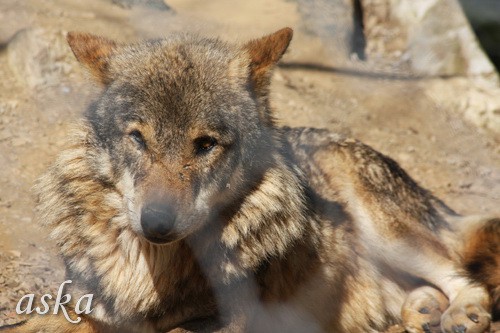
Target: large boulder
x=40, y=57
x=434, y=36
x=428, y=41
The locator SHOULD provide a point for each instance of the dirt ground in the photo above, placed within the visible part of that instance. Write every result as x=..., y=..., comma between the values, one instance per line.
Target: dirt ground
x=395, y=114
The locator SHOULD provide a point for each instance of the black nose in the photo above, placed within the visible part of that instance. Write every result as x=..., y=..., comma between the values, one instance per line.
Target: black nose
x=157, y=221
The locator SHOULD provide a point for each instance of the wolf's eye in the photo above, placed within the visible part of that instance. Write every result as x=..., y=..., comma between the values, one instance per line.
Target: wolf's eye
x=204, y=144
x=137, y=137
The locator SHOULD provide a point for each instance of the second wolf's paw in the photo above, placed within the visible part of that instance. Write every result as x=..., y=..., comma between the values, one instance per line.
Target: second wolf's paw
x=470, y=318
x=422, y=310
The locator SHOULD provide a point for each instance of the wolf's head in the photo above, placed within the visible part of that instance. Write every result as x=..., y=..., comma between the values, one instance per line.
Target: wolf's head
x=183, y=125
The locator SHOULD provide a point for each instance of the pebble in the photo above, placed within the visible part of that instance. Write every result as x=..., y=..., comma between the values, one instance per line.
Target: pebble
x=15, y=253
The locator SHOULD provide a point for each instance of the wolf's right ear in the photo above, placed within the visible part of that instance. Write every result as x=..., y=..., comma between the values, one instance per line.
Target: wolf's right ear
x=94, y=52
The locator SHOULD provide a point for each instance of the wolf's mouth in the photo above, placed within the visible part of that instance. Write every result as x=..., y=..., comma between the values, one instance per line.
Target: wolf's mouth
x=163, y=240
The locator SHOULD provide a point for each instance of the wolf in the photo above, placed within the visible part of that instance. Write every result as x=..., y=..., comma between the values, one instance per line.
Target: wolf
x=182, y=206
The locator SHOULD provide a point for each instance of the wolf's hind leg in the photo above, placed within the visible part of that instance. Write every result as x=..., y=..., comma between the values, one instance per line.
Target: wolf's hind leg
x=422, y=309
x=398, y=223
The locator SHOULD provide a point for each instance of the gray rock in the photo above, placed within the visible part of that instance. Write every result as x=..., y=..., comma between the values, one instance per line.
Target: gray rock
x=484, y=15
x=333, y=21
x=434, y=36
x=40, y=57
x=151, y=4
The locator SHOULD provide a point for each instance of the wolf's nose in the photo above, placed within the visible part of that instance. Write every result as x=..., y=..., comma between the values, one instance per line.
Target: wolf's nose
x=157, y=221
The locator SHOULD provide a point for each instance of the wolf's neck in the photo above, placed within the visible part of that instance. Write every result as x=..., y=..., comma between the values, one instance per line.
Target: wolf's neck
x=270, y=220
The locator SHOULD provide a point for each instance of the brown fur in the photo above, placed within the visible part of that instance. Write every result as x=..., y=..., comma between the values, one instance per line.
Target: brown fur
x=481, y=258
x=93, y=52
x=263, y=229
x=481, y=254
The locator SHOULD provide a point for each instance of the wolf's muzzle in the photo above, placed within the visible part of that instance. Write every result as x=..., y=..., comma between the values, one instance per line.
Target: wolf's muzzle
x=157, y=221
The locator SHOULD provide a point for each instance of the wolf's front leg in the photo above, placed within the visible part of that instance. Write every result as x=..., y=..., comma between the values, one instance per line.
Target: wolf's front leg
x=426, y=309
x=422, y=310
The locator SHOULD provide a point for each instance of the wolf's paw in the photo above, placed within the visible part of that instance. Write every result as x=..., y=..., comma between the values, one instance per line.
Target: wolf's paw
x=469, y=318
x=422, y=310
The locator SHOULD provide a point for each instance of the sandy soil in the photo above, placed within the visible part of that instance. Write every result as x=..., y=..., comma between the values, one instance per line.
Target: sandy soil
x=457, y=161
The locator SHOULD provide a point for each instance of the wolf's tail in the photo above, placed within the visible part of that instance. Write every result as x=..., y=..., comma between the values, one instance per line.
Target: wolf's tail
x=482, y=258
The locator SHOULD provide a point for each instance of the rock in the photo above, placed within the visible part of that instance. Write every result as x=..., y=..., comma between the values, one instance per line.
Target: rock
x=485, y=20
x=478, y=101
x=5, y=134
x=150, y=4
x=40, y=57
x=442, y=42
x=333, y=21
x=431, y=39
x=39, y=283
x=15, y=253
x=385, y=36
x=433, y=36
x=13, y=284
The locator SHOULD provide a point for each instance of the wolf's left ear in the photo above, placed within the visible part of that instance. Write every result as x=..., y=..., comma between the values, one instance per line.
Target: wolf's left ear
x=264, y=53
x=94, y=52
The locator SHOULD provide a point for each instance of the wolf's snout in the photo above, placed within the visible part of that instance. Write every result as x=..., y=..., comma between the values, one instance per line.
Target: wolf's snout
x=157, y=221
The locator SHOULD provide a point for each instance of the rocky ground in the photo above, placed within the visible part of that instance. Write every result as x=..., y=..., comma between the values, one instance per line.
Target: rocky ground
x=441, y=128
